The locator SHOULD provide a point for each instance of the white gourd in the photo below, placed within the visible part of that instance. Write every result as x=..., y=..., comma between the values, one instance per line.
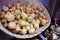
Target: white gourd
x=12, y=25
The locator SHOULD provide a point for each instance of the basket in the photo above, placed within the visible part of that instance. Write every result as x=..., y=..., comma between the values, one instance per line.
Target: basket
x=35, y=4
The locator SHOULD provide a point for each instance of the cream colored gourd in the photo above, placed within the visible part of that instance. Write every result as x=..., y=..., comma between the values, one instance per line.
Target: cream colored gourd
x=18, y=17
x=36, y=25
x=27, y=28
x=29, y=10
x=32, y=30
x=18, y=28
x=13, y=8
x=38, y=21
x=33, y=15
x=22, y=23
x=10, y=17
x=23, y=31
x=17, y=11
x=29, y=19
x=5, y=8
x=12, y=25
x=24, y=15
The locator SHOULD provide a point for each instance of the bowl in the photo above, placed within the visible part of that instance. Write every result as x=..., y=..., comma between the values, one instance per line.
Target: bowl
x=35, y=4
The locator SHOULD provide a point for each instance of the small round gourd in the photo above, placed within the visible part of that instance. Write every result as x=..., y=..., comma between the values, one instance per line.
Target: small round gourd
x=5, y=8
x=33, y=15
x=10, y=17
x=29, y=10
x=27, y=28
x=24, y=15
x=5, y=24
x=36, y=25
x=18, y=29
x=17, y=11
x=31, y=31
x=12, y=25
x=43, y=22
x=38, y=21
x=40, y=8
x=23, y=31
x=18, y=17
x=29, y=19
x=22, y=23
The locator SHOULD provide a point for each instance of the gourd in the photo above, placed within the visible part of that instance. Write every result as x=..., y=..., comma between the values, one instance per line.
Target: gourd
x=22, y=23
x=5, y=24
x=2, y=15
x=42, y=15
x=10, y=17
x=27, y=28
x=32, y=30
x=24, y=15
x=40, y=8
x=18, y=17
x=29, y=19
x=18, y=28
x=47, y=21
x=12, y=25
x=23, y=31
x=29, y=9
x=17, y=11
x=43, y=22
x=38, y=21
x=36, y=25
x=5, y=8
x=33, y=15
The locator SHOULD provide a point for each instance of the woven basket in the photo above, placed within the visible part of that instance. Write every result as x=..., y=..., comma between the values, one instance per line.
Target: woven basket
x=35, y=4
